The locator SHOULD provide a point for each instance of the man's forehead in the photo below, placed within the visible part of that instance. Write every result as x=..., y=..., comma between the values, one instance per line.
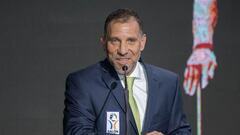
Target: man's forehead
x=130, y=24
x=122, y=21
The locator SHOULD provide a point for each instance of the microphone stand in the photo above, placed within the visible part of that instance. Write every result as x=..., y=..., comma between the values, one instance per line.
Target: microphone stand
x=126, y=97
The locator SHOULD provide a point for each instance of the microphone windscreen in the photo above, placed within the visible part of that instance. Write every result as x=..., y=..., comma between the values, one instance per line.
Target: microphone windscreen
x=125, y=68
x=113, y=85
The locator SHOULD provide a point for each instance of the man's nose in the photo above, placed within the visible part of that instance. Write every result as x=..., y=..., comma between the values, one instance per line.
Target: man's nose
x=123, y=49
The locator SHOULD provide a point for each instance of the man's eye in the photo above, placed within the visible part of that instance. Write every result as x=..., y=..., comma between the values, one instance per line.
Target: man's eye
x=114, y=41
x=132, y=41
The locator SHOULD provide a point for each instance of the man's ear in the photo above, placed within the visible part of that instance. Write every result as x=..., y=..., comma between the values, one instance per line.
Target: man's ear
x=143, y=42
x=103, y=40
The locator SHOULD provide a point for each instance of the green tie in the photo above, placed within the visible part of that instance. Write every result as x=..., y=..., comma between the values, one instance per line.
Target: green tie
x=133, y=104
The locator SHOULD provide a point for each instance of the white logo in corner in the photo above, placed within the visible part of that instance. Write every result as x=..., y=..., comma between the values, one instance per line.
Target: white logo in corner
x=113, y=123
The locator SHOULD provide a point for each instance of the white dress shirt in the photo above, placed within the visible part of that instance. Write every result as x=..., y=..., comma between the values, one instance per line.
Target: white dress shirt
x=139, y=89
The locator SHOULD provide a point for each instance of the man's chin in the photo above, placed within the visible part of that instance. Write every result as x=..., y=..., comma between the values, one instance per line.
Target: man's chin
x=119, y=70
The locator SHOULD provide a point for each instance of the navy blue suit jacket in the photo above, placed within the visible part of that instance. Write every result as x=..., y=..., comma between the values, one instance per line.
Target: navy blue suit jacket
x=96, y=90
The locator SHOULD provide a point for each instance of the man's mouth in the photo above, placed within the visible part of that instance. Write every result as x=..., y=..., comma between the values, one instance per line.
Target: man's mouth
x=122, y=61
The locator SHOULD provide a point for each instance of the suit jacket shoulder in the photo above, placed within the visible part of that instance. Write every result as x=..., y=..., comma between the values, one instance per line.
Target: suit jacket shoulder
x=160, y=74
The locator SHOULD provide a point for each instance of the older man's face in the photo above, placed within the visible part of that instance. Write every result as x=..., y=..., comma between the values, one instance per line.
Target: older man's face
x=124, y=43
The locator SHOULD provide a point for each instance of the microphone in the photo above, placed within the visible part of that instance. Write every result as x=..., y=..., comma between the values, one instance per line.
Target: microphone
x=126, y=97
x=112, y=87
x=125, y=68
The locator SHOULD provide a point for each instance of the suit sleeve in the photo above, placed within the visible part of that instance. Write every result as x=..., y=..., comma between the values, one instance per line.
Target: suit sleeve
x=178, y=124
x=79, y=116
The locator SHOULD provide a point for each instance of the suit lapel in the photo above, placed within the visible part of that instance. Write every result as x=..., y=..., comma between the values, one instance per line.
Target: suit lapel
x=109, y=77
x=153, y=85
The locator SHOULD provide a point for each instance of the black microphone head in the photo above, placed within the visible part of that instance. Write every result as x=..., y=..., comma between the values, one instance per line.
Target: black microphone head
x=113, y=85
x=125, y=68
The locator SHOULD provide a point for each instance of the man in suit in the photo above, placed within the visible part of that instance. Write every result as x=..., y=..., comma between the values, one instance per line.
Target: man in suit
x=95, y=97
